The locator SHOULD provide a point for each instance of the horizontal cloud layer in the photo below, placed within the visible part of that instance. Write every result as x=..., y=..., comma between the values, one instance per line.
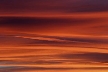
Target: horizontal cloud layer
x=39, y=40
x=29, y=69
x=55, y=25
x=53, y=35
x=62, y=6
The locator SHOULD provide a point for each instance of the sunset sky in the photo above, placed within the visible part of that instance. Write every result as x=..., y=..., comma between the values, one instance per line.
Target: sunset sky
x=53, y=35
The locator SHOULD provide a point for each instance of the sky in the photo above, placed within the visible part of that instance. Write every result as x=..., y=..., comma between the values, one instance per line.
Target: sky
x=53, y=35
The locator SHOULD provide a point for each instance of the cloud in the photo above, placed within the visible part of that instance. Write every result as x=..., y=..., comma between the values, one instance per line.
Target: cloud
x=59, y=6
x=57, y=41
x=92, y=57
x=56, y=34
x=9, y=40
x=50, y=57
x=54, y=25
x=25, y=68
x=42, y=21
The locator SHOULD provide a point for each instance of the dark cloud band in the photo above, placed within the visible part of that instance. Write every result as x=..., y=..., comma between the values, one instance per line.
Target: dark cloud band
x=70, y=6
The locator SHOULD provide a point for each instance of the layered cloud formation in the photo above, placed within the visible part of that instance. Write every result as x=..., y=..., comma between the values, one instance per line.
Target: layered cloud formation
x=53, y=35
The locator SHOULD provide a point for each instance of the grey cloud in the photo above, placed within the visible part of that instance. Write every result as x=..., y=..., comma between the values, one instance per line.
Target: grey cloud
x=24, y=68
